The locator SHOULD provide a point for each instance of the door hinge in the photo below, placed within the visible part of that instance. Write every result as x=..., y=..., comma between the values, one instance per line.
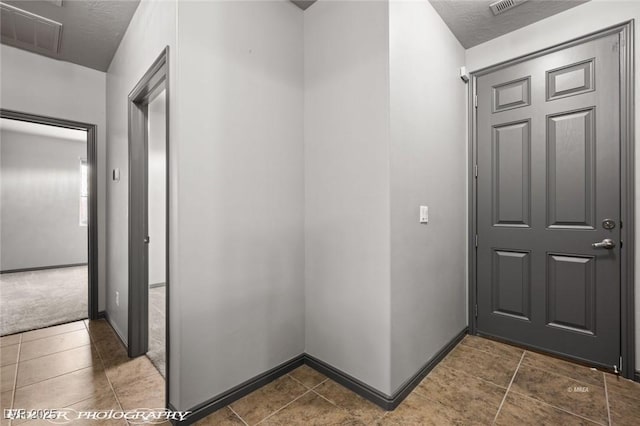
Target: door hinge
x=475, y=101
x=475, y=170
x=475, y=310
x=476, y=240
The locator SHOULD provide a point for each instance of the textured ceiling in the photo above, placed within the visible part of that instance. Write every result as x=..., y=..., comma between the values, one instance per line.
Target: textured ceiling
x=91, y=29
x=472, y=21
x=303, y=4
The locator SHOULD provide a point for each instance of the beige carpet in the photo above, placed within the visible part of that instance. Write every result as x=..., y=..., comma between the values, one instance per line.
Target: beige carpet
x=36, y=299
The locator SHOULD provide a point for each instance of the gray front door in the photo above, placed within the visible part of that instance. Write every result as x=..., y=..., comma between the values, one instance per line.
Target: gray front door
x=548, y=187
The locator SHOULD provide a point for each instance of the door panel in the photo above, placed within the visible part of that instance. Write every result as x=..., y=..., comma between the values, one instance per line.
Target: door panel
x=548, y=154
x=512, y=283
x=571, y=169
x=511, y=174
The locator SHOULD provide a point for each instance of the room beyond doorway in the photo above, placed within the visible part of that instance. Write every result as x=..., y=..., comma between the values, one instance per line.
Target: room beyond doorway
x=48, y=222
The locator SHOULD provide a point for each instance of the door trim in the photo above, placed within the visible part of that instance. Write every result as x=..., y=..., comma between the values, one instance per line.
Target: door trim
x=153, y=81
x=92, y=161
x=627, y=188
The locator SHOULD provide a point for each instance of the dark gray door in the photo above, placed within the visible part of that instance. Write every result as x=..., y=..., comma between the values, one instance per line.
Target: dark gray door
x=548, y=156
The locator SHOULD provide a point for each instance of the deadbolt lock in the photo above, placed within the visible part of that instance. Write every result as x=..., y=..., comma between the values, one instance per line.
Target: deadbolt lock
x=608, y=224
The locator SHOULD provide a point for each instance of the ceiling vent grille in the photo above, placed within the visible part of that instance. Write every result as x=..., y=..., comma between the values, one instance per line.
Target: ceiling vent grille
x=502, y=6
x=29, y=31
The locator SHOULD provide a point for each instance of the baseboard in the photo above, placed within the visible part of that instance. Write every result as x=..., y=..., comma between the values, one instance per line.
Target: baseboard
x=203, y=410
x=636, y=376
x=384, y=401
x=41, y=268
x=102, y=315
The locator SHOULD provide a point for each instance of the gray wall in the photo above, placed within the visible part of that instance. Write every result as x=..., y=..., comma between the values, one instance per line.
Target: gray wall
x=39, y=85
x=240, y=199
x=39, y=201
x=152, y=28
x=428, y=167
x=347, y=178
x=157, y=188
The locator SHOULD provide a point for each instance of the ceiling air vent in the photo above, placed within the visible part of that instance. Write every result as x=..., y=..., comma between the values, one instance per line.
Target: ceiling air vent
x=502, y=6
x=29, y=31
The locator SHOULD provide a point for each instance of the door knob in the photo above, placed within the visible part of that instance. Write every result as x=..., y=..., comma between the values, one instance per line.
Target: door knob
x=607, y=243
x=146, y=240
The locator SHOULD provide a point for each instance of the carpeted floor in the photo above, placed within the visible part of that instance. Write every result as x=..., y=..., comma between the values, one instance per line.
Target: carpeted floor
x=157, y=321
x=37, y=299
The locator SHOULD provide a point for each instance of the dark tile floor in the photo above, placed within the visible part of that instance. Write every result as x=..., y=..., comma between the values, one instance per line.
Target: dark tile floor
x=481, y=382
x=83, y=365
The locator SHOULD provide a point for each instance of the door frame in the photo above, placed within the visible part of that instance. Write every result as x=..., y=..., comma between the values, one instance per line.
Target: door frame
x=627, y=184
x=92, y=161
x=152, y=83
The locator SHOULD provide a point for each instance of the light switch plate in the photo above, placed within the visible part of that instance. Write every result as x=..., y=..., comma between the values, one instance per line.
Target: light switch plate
x=424, y=214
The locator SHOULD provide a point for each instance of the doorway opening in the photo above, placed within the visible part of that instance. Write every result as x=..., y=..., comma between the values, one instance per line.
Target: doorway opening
x=148, y=216
x=48, y=228
x=552, y=201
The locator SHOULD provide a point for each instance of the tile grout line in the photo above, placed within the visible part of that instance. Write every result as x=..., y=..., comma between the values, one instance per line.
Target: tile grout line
x=104, y=370
x=284, y=406
x=53, y=377
x=564, y=410
x=237, y=415
x=548, y=370
x=504, y=398
x=606, y=395
x=15, y=379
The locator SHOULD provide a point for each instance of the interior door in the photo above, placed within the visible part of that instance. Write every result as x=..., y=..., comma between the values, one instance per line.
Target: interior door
x=548, y=202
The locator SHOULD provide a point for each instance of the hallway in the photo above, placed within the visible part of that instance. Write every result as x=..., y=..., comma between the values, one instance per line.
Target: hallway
x=83, y=365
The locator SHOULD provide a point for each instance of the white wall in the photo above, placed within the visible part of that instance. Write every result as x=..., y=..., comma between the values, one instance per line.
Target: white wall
x=240, y=221
x=152, y=28
x=157, y=188
x=578, y=21
x=39, y=85
x=40, y=201
x=428, y=167
x=347, y=210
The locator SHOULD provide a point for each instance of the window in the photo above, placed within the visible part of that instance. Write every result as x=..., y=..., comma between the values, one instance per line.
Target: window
x=84, y=193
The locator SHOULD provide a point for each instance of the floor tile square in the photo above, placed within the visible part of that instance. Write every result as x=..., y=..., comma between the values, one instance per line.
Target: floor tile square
x=564, y=368
x=625, y=410
x=9, y=354
x=146, y=392
x=521, y=410
x=12, y=339
x=473, y=398
x=311, y=409
x=495, y=369
x=308, y=376
x=492, y=347
x=222, y=417
x=52, y=331
x=48, y=366
x=357, y=407
x=52, y=344
x=579, y=398
x=417, y=410
x=7, y=377
x=621, y=386
x=269, y=398
x=64, y=390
